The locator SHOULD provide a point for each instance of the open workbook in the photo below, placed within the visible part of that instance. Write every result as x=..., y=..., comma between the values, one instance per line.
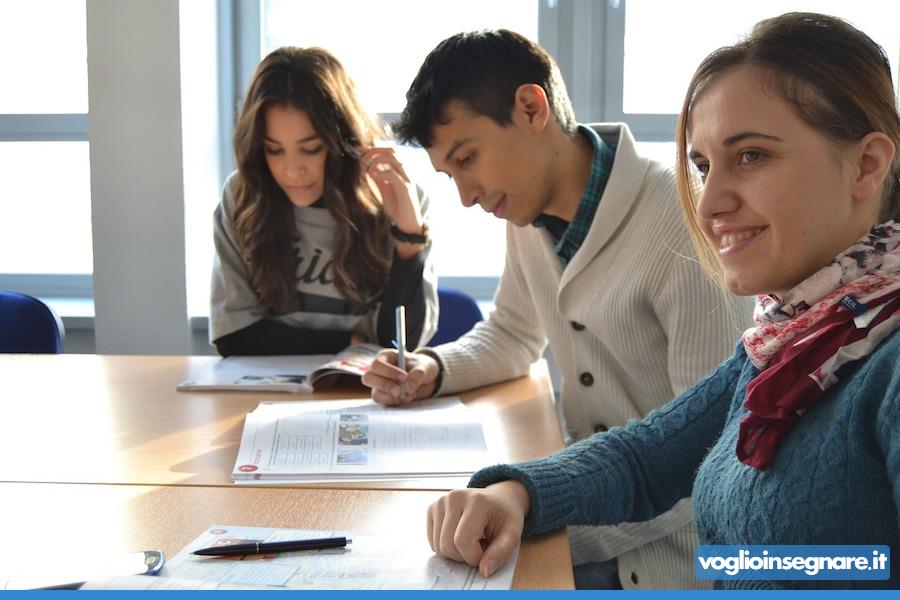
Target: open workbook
x=359, y=440
x=297, y=374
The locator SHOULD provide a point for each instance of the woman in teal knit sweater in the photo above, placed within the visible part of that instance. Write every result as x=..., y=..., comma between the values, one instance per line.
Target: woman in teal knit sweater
x=795, y=440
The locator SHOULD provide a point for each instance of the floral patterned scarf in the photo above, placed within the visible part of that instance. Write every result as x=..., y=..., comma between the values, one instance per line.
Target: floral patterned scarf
x=811, y=338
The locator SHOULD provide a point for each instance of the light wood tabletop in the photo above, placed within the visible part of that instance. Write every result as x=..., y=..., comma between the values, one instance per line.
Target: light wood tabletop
x=119, y=419
x=102, y=454
x=92, y=520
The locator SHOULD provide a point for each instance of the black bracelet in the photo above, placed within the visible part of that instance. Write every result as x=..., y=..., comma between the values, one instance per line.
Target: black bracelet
x=410, y=238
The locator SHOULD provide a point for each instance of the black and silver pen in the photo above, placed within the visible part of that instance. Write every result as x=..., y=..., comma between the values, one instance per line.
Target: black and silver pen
x=265, y=547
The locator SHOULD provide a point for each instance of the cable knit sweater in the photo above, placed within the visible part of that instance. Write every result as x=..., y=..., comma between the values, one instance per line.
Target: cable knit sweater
x=834, y=480
x=632, y=322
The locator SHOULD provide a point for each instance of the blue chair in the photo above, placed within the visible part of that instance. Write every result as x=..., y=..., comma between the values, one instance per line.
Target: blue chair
x=458, y=314
x=27, y=325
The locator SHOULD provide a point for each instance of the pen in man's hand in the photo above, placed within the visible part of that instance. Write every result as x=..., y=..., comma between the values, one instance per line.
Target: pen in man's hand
x=265, y=547
x=400, y=320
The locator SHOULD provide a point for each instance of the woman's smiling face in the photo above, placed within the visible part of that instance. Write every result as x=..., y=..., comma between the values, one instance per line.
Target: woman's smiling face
x=777, y=202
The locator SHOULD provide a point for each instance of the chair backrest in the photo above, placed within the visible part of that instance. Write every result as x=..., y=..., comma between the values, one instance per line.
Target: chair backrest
x=458, y=314
x=27, y=325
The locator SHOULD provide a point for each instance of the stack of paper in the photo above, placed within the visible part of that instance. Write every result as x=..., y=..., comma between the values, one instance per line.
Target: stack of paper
x=356, y=440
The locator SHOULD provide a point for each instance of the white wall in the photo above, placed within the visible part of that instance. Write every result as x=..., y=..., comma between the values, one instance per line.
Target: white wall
x=136, y=177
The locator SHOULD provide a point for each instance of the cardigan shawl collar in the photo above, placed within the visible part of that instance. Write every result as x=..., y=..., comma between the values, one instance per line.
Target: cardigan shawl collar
x=622, y=188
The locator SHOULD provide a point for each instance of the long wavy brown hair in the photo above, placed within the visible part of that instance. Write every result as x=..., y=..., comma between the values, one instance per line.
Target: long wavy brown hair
x=312, y=80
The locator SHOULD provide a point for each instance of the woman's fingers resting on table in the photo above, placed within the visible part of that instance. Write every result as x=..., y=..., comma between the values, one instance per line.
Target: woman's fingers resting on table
x=480, y=527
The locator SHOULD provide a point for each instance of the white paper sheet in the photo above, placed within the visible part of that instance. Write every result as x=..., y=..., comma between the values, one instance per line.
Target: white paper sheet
x=355, y=440
x=368, y=563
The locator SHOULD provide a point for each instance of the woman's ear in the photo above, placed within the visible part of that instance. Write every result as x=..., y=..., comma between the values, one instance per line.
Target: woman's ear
x=532, y=105
x=874, y=157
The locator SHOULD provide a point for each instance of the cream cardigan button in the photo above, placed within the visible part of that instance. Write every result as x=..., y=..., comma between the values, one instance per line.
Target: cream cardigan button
x=586, y=379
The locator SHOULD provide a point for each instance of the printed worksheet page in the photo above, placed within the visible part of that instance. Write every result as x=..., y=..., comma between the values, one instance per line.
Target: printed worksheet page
x=368, y=563
x=359, y=439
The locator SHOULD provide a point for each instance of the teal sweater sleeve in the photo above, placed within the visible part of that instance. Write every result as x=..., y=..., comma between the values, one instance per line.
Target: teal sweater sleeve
x=630, y=473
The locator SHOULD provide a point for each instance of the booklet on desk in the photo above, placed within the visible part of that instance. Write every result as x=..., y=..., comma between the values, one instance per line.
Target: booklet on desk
x=371, y=562
x=359, y=440
x=297, y=374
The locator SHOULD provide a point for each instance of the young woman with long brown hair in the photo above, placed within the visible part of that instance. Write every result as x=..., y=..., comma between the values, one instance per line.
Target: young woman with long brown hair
x=320, y=234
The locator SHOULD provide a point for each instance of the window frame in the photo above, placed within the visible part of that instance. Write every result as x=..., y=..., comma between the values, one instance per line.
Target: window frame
x=46, y=127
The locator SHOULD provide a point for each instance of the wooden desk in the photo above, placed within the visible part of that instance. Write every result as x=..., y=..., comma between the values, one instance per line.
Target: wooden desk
x=118, y=419
x=72, y=424
x=111, y=519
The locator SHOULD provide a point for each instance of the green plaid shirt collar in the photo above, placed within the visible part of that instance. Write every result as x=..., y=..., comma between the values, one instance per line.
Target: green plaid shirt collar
x=568, y=237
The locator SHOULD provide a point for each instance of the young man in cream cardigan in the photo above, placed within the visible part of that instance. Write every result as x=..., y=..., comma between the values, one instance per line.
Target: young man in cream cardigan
x=598, y=263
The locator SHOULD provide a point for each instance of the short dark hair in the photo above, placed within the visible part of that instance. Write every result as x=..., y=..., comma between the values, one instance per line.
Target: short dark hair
x=482, y=69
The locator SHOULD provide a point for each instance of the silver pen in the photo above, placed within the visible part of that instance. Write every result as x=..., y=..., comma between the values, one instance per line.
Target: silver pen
x=400, y=321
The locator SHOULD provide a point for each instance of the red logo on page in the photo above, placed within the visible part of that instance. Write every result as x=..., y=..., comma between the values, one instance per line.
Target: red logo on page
x=247, y=468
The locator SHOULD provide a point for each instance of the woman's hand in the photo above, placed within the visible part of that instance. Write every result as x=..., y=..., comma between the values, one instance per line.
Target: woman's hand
x=399, y=197
x=479, y=526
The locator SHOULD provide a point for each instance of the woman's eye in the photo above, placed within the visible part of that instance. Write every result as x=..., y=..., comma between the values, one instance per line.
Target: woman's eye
x=273, y=151
x=313, y=151
x=702, y=169
x=467, y=159
x=750, y=156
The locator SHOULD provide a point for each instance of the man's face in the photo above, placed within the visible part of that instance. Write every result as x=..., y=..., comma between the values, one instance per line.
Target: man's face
x=502, y=169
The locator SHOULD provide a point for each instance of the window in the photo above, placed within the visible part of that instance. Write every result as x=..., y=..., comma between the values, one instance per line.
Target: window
x=665, y=41
x=655, y=47
x=382, y=44
x=45, y=232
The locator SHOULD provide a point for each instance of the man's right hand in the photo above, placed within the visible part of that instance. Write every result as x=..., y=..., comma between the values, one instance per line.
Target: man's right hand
x=385, y=377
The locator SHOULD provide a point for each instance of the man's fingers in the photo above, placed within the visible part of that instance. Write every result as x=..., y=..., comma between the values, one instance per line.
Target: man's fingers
x=386, y=367
x=415, y=378
x=384, y=377
x=381, y=382
x=386, y=398
x=386, y=356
